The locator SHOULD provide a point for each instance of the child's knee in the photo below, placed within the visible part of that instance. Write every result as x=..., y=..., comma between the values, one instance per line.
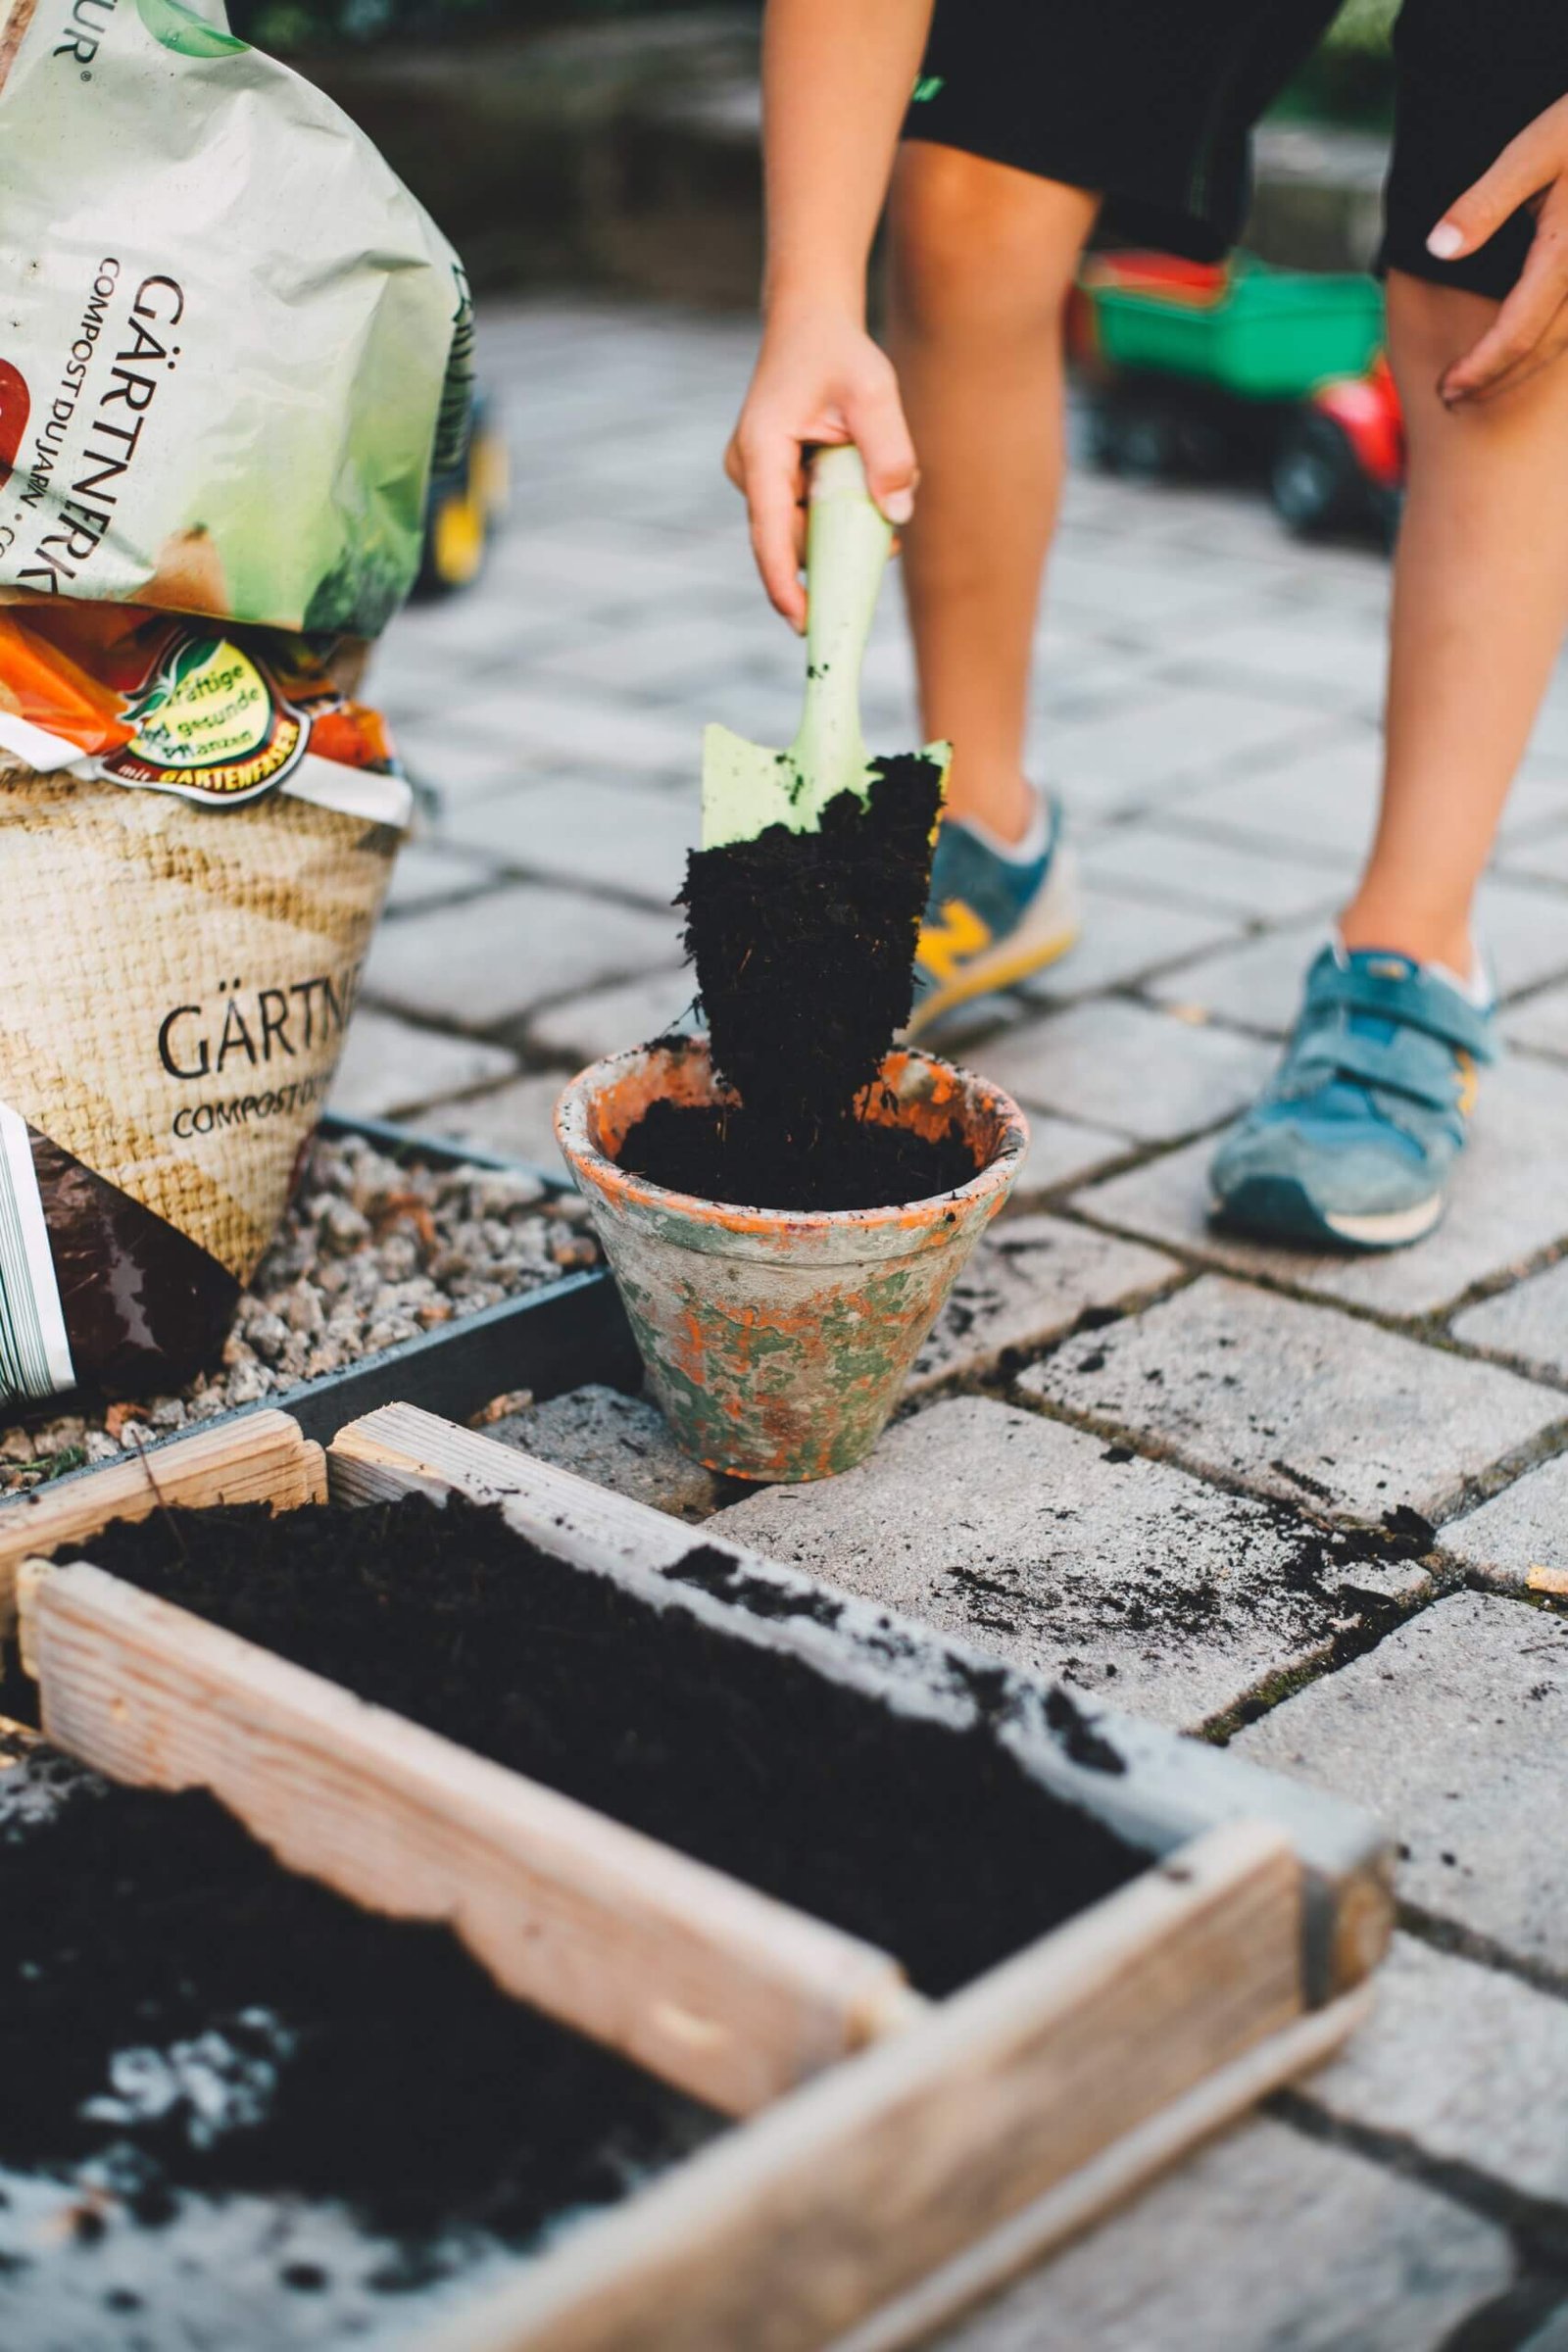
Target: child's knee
x=978, y=246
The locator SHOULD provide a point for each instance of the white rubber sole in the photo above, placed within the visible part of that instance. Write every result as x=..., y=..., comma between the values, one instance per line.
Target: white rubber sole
x=1281, y=1211
x=1388, y=1231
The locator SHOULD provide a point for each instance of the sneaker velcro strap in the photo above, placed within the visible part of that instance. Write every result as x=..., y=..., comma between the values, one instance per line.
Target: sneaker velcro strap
x=1409, y=999
x=1388, y=1064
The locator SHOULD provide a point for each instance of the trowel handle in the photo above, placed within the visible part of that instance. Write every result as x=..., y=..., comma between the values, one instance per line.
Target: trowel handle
x=846, y=548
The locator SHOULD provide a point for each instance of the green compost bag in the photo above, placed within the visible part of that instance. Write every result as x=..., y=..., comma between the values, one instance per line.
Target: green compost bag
x=229, y=337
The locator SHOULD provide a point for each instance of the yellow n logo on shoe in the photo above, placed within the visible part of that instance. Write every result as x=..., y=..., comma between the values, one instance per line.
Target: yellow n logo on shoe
x=957, y=933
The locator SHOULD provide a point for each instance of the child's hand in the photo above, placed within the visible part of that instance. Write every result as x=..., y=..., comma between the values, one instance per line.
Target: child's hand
x=1532, y=328
x=820, y=379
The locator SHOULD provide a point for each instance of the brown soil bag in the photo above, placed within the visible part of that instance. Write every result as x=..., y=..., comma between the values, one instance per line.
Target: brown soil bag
x=177, y=973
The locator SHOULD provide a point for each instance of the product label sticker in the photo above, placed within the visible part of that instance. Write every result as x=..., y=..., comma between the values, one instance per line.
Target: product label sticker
x=34, y=1352
x=211, y=726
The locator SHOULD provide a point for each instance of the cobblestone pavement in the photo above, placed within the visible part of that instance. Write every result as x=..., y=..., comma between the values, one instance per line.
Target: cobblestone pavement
x=1121, y=1447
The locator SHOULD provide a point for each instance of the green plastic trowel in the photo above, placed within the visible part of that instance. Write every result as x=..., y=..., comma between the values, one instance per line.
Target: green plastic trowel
x=746, y=786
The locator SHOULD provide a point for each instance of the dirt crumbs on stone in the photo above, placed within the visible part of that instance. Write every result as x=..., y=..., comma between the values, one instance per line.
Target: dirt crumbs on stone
x=179, y=2016
x=737, y=1753
x=804, y=945
x=373, y=1252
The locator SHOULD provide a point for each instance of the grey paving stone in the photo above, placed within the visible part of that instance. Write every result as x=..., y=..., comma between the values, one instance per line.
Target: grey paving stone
x=1123, y=1066
x=489, y=960
x=1541, y=857
x=1524, y=1527
x=425, y=874
x=606, y=1020
x=669, y=655
x=1096, y=1565
x=1553, y=2336
x=1324, y=798
x=1265, y=2243
x=1062, y=1152
x=1258, y=984
x=516, y=1118
x=580, y=829
x=459, y=768
x=618, y=1442
x=1159, y=857
x=1528, y=1321
x=1466, y=2063
x=1101, y=577
x=1160, y=739
x=1540, y=1022
x=1029, y=1279
x=1338, y=667
x=389, y=1067
x=1123, y=939
x=1298, y=1401
x=1452, y=1731
x=1508, y=1203
x=585, y=730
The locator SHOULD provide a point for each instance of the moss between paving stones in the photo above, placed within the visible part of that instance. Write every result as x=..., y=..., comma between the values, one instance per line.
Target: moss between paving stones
x=745, y=1758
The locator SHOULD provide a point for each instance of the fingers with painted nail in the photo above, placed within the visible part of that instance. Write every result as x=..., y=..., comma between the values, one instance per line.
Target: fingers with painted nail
x=1531, y=328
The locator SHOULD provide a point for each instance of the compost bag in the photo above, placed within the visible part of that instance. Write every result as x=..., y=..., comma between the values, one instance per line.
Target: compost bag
x=197, y=830
x=230, y=336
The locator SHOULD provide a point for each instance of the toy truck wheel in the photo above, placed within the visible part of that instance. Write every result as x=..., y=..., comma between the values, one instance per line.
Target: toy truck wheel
x=1315, y=480
x=1131, y=438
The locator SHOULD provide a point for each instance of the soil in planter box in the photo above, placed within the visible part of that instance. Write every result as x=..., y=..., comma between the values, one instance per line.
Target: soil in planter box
x=804, y=945
x=929, y=1842
x=182, y=2017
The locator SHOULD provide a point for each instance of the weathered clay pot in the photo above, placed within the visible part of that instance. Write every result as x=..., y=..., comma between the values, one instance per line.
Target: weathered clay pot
x=778, y=1340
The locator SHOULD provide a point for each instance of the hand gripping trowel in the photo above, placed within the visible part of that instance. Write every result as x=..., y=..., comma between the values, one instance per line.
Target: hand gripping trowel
x=805, y=897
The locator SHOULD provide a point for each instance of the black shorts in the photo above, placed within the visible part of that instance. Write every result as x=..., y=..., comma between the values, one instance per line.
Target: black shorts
x=1151, y=103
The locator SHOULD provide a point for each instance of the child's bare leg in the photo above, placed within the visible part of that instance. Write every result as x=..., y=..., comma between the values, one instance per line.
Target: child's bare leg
x=983, y=257
x=1480, y=611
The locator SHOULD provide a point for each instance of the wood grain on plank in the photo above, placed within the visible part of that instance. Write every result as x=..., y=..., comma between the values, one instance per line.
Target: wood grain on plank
x=259, y=1457
x=784, y=2236
x=720, y=1991
x=401, y=1448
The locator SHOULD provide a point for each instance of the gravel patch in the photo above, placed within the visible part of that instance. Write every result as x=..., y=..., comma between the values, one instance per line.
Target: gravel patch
x=373, y=1252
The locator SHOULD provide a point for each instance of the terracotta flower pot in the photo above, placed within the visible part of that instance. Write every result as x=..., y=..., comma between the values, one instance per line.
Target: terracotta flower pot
x=778, y=1340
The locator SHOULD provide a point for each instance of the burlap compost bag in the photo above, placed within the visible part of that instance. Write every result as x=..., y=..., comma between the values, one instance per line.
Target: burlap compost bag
x=196, y=833
x=229, y=333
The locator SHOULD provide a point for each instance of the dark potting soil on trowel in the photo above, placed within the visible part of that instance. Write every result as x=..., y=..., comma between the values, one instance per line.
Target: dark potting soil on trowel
x=928, y=1841
x=241, y=2107
x=804, y=945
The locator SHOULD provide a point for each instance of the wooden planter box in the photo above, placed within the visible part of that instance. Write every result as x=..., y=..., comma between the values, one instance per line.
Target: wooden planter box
x=898, y=2156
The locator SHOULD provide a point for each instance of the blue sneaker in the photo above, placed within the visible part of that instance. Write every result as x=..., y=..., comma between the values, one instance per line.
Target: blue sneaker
x=1355, y=1139
x=991, y=920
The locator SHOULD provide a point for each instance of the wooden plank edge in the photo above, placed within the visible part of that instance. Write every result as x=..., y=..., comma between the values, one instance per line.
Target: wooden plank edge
x=731, y=1995
x=1112, y=2180
x=1174, y=1788
x=790, y=2230
x=257, y=1457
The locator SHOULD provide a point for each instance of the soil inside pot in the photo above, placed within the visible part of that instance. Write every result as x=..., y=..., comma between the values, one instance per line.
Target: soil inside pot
x=180, y=2016
x=930, y=1842
x=804, y=945
x=723, y=1153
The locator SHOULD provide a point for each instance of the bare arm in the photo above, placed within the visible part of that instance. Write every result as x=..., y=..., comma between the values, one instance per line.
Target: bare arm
x=836, y=79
